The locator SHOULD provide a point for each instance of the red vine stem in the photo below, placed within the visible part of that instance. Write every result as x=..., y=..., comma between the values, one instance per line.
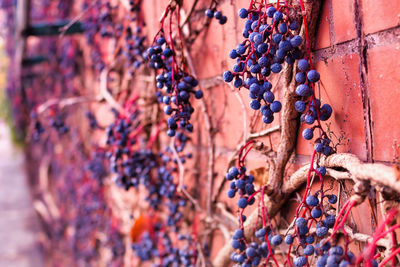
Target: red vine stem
x=264, y=213
x=308, y=183
x=369, y=251
x=351, y=204
x=308, y=43
x=391, y=256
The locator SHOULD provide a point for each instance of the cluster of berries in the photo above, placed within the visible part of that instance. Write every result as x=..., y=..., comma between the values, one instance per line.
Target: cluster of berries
x=310, y=107
x=178, y=87
x=212, y=13
x=160, y=246
x=271, y=38
x=241, y=184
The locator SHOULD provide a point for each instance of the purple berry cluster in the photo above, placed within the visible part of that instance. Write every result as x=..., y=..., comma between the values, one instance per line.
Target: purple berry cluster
x=213, y=13
x=316, y=243
x=176, y=87
x=149, y=249
x=248, y=254
x=38, y=130
x=271, y=39
x=134, y=165
x=335, y=256
x=92, y=120
x=56, y=122
x=241, y=184
x=310, y=106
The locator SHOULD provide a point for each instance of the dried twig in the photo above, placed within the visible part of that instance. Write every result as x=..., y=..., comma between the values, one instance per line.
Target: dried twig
x=375, y=173
x=234, y=156
x=64, y=29
x=181, y=170
x=106, y=95
x=63, y=102
x=210, y=137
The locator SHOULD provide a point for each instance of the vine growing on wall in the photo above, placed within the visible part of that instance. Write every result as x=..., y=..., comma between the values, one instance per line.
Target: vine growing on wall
x=142, y=154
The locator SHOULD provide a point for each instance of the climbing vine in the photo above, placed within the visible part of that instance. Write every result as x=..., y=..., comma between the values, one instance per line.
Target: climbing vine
x=122, y=133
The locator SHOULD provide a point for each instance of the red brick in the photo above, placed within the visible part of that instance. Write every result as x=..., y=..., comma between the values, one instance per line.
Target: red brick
x=362, y=216
x=340, y=87
x=304, y=147
x=343, y=20
x=384, y=81
x=380, y=15
x=152, y=15
x=323, y=38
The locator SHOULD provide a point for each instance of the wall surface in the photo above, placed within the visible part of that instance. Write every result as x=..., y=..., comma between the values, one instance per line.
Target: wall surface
x=356, y=50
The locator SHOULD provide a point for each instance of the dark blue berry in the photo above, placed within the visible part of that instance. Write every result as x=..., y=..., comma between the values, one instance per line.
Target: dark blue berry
x=238, y=234
x=303, y=90
x=300, y=77
x=313, y=76
x=269, y=97
x=329, y=221
x=251, y=252
x=243, y=13
x=300, y=261
x=231, y=193
x=303, y=65
x=319, y=147
x=271, y=11
x=276, y=106
x=300, y=222
x=260, y=233
x=242, y=203
x=255, y=104
x=294, y=25
x=198, y=94
x=316, y=212
x=321, y=231
x=289, y=239
x=308, y=250
x=268, y=119
x=300, y=106
x=233, y=54
x=322, y=170
x=276, y=240
x=228, y=76
x=276, y=68
x=218, y=15
x=235, y=244
x=308, y=134
x=310, y=239
x=332, y=199
x=223, y=20
x=278, y=16
x=233, y=171
x=296, y=41
x=312, y=201
x=283, y=28
x=209, y=13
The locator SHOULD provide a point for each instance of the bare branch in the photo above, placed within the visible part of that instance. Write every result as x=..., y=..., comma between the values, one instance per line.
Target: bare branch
x=181, y=170
x=210, y=136
x=63, y=102
x=106, y=95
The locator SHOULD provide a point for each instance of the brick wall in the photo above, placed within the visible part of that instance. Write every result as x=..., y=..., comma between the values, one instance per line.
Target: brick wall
x=356, y=50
